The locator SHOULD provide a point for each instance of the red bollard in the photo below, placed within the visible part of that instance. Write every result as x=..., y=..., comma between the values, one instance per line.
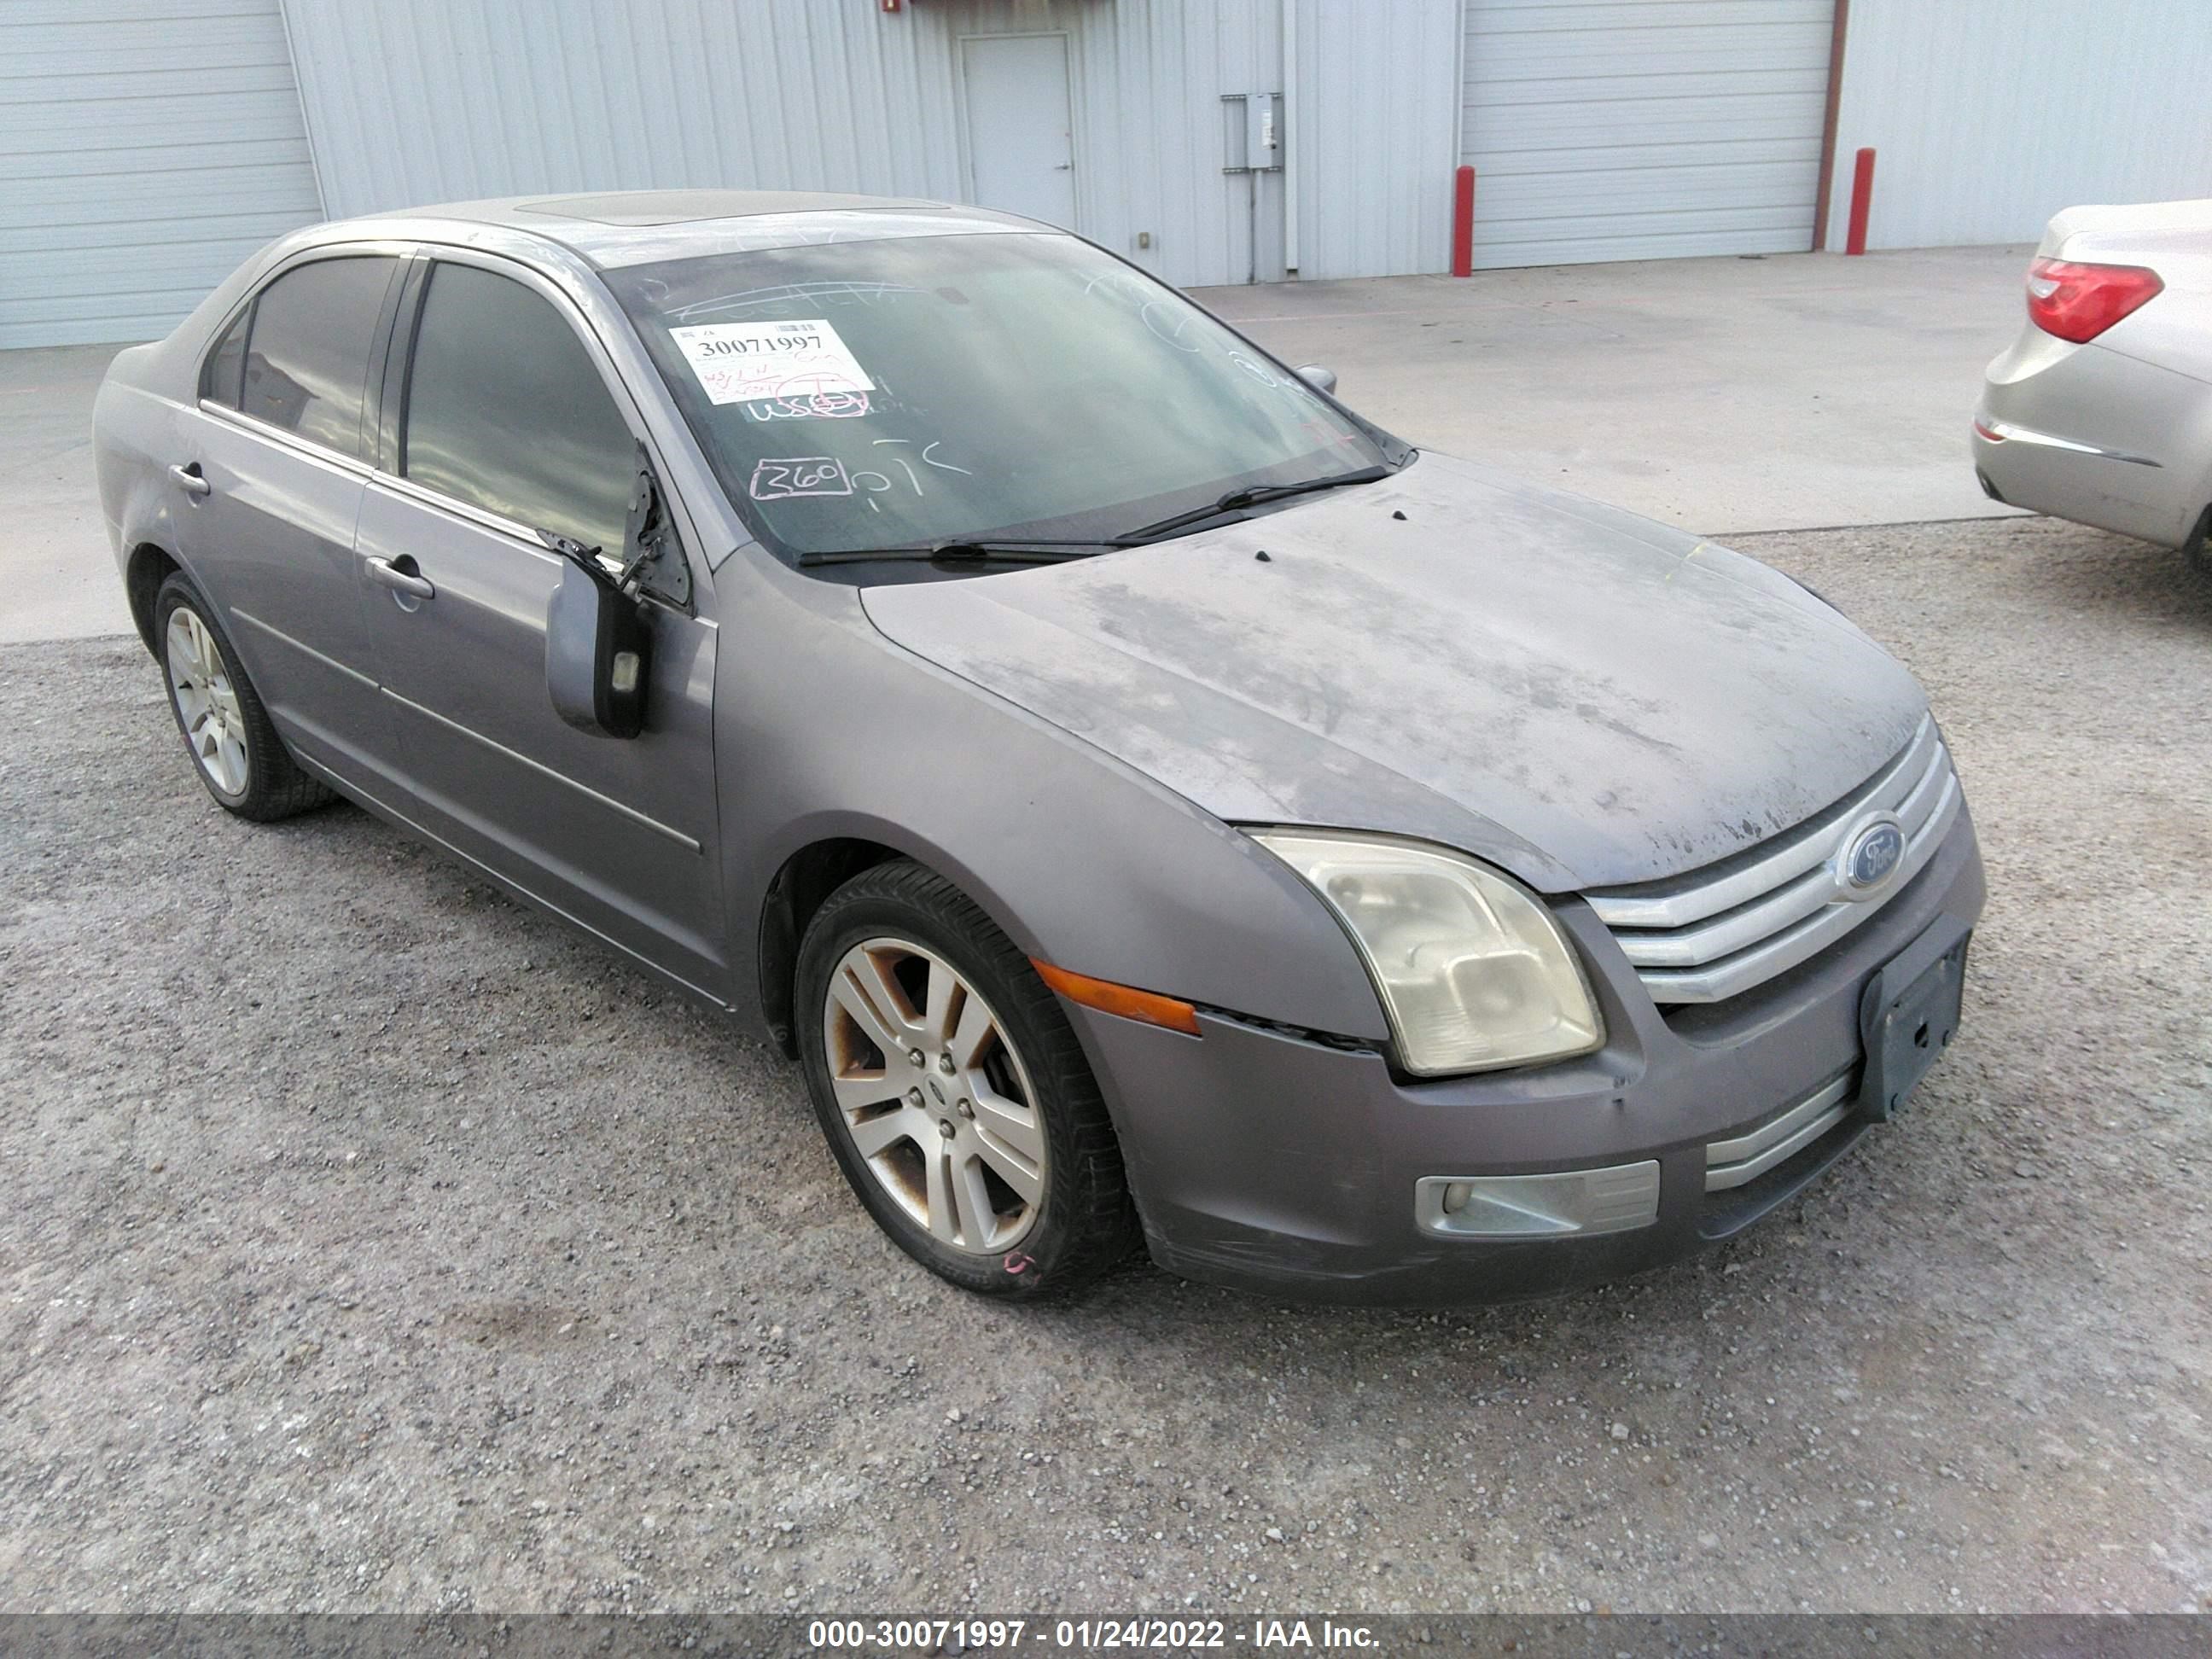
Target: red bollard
x=1861, y=200
x=1463, y=223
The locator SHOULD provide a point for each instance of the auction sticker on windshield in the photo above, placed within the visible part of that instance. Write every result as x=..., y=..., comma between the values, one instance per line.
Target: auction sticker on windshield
x=744, y=363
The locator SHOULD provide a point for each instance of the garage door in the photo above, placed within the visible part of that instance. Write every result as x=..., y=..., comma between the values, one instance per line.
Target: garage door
x=1643, y=129
x=146, y=146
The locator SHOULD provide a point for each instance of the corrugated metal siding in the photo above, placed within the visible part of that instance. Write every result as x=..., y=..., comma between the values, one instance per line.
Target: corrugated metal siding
x=1372, y=114
x=1986, y=120
x=146, y=148
x=424, y=101
x=1643, y=129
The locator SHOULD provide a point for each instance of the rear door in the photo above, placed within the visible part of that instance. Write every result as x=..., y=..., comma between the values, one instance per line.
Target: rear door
x=510, y=420
x=275, y=464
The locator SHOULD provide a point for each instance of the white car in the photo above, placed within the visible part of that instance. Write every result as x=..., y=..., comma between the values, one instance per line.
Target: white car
x=2101, y=411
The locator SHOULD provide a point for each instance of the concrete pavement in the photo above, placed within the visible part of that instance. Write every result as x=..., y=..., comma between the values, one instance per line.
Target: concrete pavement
x=58, y=579
x=1728, y=396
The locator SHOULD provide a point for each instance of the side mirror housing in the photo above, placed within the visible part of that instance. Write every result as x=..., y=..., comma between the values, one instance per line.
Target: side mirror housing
x=598, y=647
x=1314, y=374
x=598, y=640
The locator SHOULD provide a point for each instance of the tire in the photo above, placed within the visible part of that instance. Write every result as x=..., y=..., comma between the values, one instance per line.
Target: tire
x=940, y=1172
x=2197, y=551
x=226, y=731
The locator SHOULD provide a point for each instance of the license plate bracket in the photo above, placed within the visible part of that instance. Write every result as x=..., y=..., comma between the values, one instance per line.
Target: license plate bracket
x=1909, y=1013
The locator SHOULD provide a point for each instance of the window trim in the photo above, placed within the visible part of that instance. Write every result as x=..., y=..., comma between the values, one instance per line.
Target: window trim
x=307, y=448
x=406, y=331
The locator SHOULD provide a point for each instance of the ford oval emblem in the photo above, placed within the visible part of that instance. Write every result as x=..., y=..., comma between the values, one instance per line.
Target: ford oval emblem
x=1871, y=857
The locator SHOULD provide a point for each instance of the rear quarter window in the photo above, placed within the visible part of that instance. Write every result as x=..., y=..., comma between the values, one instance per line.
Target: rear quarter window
x=222, y=373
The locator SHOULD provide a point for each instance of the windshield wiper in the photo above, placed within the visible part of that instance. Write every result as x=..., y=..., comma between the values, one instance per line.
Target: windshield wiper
x=1253, y=496
x=967, y=552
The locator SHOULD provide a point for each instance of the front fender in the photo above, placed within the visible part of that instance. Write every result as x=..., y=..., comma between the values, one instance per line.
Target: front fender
x=825, y=730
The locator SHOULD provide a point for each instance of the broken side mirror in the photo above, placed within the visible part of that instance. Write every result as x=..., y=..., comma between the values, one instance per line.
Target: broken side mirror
x=1314, y=374
x=598, y=641
x=597, y=645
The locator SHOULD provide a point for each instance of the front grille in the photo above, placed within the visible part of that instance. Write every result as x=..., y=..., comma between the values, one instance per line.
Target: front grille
x=1718, y=932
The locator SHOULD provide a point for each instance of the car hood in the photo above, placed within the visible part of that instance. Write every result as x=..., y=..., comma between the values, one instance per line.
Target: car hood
x=1579, y=695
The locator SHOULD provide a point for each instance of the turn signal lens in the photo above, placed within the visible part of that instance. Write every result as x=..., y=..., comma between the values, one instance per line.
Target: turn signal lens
x=1128, y=1001
x=2078, y=302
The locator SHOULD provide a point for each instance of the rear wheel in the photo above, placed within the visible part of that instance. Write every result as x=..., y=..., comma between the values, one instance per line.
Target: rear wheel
x=953, y=1092
x=234, y=748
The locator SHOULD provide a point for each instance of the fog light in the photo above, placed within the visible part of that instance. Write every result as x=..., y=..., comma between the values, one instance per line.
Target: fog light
x=1558, y=1204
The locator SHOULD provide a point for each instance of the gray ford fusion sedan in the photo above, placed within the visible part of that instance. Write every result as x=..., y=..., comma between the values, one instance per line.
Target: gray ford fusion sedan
x=1153, y=802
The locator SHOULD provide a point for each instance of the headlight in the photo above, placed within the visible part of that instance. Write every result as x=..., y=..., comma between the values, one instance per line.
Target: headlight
x=1472, y=971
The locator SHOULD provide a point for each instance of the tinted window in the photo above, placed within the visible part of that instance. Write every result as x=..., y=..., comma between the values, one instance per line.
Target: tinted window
x=506, y=410
x=307, y=360
x=219, y=375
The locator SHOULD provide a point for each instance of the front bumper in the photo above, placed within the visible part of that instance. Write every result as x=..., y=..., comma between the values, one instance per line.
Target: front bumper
x=1279, y=1162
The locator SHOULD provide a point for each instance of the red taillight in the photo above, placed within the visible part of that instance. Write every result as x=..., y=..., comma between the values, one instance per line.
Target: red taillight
x=2078, y=302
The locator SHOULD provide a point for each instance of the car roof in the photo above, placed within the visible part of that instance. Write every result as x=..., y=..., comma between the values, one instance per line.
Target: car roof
x=622, y=227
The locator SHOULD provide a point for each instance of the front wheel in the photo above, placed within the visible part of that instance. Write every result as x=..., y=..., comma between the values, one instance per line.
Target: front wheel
x=953, y=1092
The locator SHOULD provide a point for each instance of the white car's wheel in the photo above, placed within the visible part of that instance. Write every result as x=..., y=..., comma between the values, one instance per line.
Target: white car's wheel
x=2197, y=550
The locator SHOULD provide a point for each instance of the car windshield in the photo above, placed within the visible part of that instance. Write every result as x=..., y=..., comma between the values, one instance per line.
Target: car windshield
x=914, y=391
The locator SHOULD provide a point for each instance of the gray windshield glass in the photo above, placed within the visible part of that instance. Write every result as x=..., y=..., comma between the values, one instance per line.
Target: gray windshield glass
x=922, y=390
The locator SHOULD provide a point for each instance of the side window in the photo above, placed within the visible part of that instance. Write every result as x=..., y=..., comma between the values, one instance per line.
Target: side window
x=505, y=410
x=306, y=358
x=219, y=375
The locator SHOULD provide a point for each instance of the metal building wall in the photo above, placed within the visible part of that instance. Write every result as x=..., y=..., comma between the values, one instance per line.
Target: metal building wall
x=1373, y=110
x=1989, y=118
x=422, y=100
x=146, y=146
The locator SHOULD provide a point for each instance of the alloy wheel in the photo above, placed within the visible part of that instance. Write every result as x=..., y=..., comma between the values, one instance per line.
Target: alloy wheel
x=207, y=702
x=934, y=1094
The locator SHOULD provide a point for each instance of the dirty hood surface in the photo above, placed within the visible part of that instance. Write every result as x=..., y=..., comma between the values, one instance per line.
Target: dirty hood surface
x=1581, y=696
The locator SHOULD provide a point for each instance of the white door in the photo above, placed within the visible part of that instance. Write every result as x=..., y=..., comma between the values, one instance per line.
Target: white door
x=1021, y=140
x=1643, y=129
x=146, y=146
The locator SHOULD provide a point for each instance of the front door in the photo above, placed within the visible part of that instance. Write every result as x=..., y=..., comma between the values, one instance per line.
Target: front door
x=510, y=424
x=1021, y=139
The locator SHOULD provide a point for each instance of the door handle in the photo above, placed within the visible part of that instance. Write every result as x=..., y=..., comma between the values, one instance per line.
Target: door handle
x=188, y=479
x=390, y=575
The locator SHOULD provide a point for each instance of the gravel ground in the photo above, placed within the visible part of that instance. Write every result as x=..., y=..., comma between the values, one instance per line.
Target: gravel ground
x=366, y=1241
